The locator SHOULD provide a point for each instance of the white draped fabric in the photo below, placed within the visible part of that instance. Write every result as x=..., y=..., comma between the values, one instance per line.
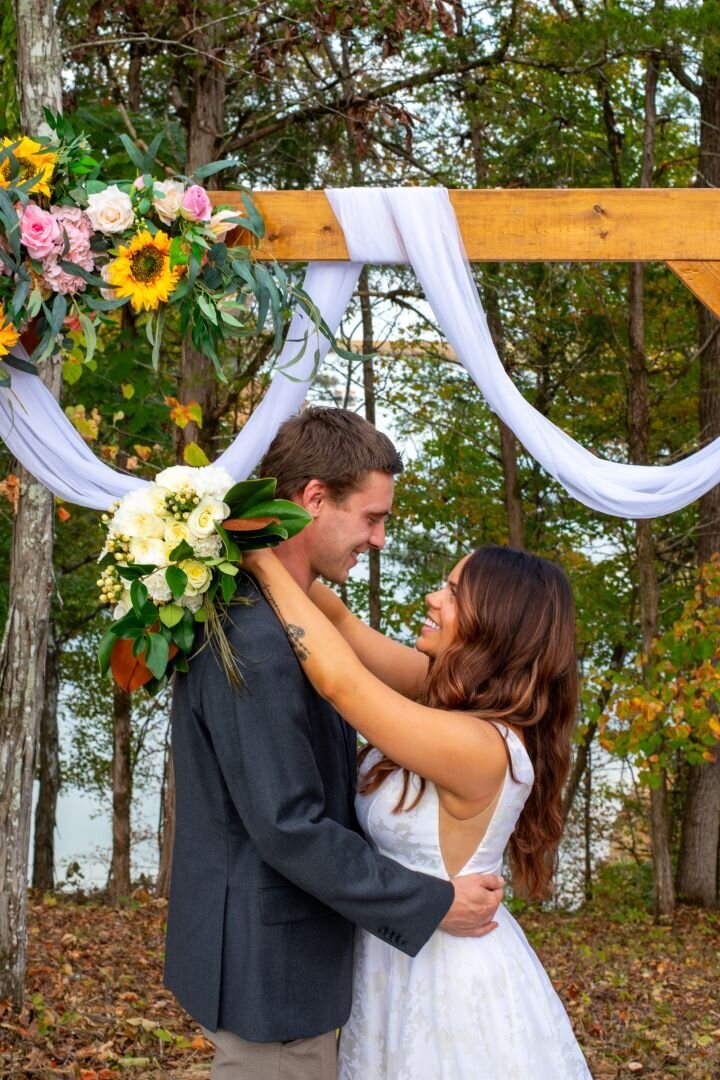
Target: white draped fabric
x=382, y=226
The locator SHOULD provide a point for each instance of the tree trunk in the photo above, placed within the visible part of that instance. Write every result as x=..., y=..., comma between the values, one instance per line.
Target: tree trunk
x=697, y=877
x=24, y=646
x=39, y=63
x=167, y=827
x=375, y=613
x=638, y=441
x=43, y=875
x=204, y=131
x=119, y=882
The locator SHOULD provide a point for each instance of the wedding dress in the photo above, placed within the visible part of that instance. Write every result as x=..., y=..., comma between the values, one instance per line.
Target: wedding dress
x=463, y=1008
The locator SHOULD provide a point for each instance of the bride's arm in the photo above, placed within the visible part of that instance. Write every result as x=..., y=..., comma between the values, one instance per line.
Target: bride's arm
x=398, y=666
x=456, y=751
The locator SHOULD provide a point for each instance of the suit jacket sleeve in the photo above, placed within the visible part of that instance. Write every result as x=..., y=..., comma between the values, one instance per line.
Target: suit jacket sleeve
x=263, y=742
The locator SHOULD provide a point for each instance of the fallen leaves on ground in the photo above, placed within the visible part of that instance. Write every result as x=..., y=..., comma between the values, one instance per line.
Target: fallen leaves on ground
x=643, y=998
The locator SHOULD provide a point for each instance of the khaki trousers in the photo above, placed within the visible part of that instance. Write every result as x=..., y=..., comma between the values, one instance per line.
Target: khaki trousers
x=301, y=1059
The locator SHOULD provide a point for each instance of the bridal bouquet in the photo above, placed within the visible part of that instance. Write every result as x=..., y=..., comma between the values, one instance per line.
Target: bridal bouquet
x=171, y=555
x=74, y=245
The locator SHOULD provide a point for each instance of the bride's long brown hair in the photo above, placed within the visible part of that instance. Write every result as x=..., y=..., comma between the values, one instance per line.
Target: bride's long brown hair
x=512, y=661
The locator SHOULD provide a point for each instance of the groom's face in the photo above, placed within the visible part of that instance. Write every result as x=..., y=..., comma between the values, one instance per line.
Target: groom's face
x=343, y=531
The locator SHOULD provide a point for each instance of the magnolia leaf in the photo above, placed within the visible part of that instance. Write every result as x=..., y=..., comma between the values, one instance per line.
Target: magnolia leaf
x=244, y=495
x=249, y=524
x=131, y=672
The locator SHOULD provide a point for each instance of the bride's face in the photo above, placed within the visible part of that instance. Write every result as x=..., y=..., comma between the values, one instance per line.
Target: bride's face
x=439, y=629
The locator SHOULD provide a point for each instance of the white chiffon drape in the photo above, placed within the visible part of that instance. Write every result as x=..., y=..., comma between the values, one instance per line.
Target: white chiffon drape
x=381, y=226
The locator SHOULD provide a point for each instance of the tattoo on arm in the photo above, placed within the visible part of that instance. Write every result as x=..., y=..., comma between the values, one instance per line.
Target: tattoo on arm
x=294, y=633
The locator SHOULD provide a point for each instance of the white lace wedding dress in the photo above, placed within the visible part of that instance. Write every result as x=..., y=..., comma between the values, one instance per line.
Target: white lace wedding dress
x=463, y=1008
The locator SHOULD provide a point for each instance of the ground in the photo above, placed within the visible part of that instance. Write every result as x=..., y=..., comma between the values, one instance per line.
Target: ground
x=644, y=999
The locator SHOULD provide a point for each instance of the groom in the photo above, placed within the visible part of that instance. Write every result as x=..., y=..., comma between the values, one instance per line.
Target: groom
x=270, y=870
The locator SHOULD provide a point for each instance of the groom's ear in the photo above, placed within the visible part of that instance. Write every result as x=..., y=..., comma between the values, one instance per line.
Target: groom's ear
x=312, y=497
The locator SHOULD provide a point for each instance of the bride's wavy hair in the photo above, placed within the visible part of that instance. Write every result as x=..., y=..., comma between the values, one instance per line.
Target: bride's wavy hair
x=512, y=661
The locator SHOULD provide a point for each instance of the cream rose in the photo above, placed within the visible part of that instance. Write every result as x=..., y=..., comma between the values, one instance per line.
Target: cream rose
x=110, y=211
x=202, y=520
x=224, y=221
x=157, y=587
x=176, y=531
x=150, y=550
x=198, y=575
x=169, y=202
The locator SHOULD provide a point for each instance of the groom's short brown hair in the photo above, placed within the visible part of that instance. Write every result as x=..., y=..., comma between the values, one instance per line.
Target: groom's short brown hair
x=329, y=444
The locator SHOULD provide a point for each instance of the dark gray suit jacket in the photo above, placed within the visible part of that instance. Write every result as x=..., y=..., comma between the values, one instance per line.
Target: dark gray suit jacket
x=270, y=871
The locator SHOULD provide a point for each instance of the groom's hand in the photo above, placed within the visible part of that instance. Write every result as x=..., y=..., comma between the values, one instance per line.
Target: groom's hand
x=477, y=898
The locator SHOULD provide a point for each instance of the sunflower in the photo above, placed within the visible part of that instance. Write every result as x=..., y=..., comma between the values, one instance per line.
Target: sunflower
x=142, y=271
x=33, y=160
x=9, y=336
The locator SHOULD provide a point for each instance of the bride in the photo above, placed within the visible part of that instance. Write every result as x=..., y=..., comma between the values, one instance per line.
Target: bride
x=468, y=747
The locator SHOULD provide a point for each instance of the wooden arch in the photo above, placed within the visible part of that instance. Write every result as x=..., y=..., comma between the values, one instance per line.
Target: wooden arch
x=678, y=226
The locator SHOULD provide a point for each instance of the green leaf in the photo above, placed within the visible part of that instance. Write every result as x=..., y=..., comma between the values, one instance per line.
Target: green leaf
x=136, y=156
x=194, y=455
x=184, y=632
x=105, y=649
x=177, y=581
x=90, y=336
x=228, y=568
x=171, y=614
x=257, y=225
x=182, y=551
x=157, y=655
x=215, y=167
x=139, y=596
x=227, y=587
x=57, y=314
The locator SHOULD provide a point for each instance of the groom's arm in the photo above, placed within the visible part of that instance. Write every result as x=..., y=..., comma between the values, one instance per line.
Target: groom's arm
x=262, y=739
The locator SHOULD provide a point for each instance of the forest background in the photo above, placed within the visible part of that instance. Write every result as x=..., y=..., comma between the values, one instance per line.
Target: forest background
x=562, y=93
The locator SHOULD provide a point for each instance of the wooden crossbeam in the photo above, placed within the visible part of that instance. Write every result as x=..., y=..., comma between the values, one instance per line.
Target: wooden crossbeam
x=680, y=226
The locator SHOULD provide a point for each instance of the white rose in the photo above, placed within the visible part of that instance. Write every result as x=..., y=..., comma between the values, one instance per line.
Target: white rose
x=212, y=481
x=175, y=532
x=150, y=551
x=123, y=605
x=202, y=520
x=110, y=211
x=191, y=601
x=169, y=202
x=209, y=547
x=198, y=574
x=157, y=587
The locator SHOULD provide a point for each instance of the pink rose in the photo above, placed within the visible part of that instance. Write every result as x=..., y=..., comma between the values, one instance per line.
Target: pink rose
x=196, y=205
x=40, y=232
